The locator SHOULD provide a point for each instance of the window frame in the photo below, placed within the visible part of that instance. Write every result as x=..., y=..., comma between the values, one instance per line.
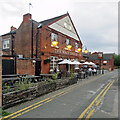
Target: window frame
x=53, y=38
x=5, y=42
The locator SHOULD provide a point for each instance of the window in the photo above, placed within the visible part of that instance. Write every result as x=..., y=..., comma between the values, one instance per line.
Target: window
x=5, y=44
x=67, y=42
x=53, y=37
x=76, y=66
x=76, y=46
x=53, y=63
x=104, y=62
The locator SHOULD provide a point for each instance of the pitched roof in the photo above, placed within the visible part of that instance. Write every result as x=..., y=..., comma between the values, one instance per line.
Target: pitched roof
x=105, y=57
x=11, y=32
x=48, y=21
x=45, y=22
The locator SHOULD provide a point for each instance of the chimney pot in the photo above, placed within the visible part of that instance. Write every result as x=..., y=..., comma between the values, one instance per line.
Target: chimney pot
x=26, y=17
x=12, y=28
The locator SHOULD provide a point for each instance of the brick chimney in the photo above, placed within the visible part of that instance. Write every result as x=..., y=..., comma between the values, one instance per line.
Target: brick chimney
x=12, y=28
x=26, y=17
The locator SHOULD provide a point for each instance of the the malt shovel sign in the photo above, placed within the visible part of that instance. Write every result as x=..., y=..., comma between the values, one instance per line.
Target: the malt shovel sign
x=100, y=55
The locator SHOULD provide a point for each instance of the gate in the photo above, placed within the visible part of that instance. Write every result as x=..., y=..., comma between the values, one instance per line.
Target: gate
x=7, y=67
x=38, y=68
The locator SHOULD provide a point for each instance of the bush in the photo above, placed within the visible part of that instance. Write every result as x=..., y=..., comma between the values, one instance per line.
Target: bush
x=24, y=84
x=54, y=76
x=6, y=88
x=3, y=113
x=72, y=74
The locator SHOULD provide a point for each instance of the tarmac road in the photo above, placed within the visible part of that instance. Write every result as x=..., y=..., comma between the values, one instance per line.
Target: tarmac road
x=93, y=97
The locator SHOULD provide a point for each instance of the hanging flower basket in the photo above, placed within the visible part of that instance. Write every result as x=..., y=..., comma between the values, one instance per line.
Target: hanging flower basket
x=46, y=61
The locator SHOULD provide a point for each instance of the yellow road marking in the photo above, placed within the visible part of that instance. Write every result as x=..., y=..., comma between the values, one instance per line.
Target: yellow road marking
x=32, y=105
x=29, y=109
x=98, y=102
x=108, y=88
x=104, y=94
x=84, y=112
x=59, y=94
x=91, y=112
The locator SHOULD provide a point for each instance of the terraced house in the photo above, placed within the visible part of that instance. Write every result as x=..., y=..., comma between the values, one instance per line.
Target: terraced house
x=37, y=47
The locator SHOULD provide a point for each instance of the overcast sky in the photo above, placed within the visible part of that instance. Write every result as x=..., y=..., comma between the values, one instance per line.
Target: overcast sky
x=96, y=22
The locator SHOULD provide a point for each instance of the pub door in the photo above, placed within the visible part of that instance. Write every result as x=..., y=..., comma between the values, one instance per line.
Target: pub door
x=7, y=67
x=38, y=68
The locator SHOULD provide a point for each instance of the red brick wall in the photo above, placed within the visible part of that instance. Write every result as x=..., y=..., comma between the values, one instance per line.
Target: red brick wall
x=23, y=40
x=25, y=67
x=45, y=40
x=45, y=37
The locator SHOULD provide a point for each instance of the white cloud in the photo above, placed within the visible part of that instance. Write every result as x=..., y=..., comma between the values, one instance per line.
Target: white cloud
x=96, y=22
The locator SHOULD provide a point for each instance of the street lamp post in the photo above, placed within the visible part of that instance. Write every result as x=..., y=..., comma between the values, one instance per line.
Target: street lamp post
x=100, y=56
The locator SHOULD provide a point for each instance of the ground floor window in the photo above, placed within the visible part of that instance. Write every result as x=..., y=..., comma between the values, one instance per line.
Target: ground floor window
x=53, y=63
x=76, y=66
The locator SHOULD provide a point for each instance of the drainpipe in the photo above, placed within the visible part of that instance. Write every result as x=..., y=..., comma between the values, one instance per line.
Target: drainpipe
x=32, y=40
x=40, y=26
x=12, y=47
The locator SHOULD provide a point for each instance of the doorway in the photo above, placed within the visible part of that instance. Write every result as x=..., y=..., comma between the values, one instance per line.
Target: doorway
x=38, y=68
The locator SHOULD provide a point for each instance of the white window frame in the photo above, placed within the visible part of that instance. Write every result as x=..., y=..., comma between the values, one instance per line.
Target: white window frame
x=54, y=62
x=53, y=37
x=76, y=46
x=76, y=66
x=7, y=43
x=68, y=42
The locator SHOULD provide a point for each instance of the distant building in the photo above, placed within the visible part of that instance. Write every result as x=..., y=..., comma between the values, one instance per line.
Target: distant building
x=107, y=61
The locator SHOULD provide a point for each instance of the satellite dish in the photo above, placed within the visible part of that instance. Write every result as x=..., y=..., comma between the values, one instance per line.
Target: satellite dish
x=39, y=26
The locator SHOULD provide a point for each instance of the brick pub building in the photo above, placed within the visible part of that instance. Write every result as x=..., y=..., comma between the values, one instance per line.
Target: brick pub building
x=30, y=46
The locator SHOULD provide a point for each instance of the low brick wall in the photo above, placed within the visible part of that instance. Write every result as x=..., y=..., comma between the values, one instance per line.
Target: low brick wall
x=13, y=98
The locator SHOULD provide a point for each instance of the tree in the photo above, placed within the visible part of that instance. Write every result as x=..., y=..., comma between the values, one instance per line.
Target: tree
x=117, y=60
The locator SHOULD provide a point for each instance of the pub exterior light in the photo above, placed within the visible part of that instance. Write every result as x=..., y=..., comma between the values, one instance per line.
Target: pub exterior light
x=86, y=51
x=69, y=47
x=54, y=43
x=79, y=49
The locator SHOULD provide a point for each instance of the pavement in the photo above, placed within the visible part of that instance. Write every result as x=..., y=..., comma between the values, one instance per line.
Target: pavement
x=73, y=101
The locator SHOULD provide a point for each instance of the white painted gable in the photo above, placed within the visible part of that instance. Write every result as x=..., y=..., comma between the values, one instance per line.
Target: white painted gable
x=65, y=26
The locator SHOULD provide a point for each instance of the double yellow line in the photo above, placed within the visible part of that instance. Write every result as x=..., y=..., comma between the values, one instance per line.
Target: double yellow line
x=100, y=96
x=33, y=106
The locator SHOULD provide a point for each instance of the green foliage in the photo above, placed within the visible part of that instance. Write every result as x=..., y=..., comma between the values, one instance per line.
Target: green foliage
x=72, y=74
x=50, y=81
x=54, y=76
x=24, y=84
x=117, y=60
x=3, y=113
x=6, y=88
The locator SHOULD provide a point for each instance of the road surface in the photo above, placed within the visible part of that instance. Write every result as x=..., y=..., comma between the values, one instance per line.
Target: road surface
x=93, y=97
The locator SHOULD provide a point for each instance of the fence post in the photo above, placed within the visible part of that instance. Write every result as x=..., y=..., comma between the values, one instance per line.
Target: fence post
x=0, y=77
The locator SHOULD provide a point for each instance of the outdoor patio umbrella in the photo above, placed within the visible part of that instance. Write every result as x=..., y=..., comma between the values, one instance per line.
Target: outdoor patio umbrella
x=65, y=61
x=76, y=63
x=86, y=63
x=94, y=66
x=91, y=63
